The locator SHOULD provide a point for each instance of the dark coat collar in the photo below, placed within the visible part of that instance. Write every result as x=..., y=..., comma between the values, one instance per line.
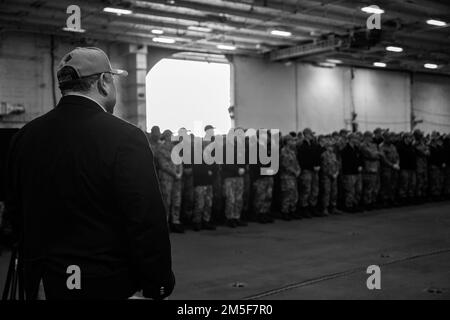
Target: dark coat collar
x=79, y=101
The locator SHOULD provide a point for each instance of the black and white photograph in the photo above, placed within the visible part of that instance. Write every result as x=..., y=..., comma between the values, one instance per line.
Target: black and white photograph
x=224, y=157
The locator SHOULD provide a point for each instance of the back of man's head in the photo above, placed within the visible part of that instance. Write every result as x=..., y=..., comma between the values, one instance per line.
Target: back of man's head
x=70, y=82
x=88, y=71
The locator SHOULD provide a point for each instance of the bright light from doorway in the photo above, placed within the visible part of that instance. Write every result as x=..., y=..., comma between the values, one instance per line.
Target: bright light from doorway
x=188, y=94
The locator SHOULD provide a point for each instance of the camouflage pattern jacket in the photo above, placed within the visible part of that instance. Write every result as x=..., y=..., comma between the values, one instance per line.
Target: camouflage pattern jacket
x=422, y=152
x=164, y=159
x=389, y=155
x=329, y=164
x=371, y=157
x=289, y=163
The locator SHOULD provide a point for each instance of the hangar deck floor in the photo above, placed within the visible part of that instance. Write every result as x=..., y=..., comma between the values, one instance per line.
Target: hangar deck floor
x=322, y=258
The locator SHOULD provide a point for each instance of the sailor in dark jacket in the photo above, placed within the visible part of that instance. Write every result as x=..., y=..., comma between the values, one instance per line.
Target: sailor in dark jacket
x=84, y=195
x=351, y=170
x=233, y=180
x=437, y=165
x=204, y=174
x=308, y=154
x=407, y=176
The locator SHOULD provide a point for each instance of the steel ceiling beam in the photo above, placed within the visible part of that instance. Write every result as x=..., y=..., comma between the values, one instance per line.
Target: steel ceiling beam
x=35, y=25
x=301, y=21
x=54, y=12
x=260, y=35
x=306, y=49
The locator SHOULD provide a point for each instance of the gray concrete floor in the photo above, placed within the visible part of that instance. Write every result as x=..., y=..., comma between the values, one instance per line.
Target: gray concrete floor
x=321, y=258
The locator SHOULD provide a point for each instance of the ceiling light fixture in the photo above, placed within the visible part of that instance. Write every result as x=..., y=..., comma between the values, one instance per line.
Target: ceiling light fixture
x=157, y=31
x=199, y=29
x=327, y=64
x=335, y=61
x=379, y=64
x=437, y=23
x=394, y=49
x=281, y=33
x=74, y=30
x=164, y=40
x=226, y=47
x=372, y=10
x=430, y=66
x=117, y=11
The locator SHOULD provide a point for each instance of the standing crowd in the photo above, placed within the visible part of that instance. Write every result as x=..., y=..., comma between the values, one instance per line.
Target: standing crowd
x=318, y=175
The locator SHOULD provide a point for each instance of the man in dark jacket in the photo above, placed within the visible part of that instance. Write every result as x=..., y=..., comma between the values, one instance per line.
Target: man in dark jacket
x=84, y=195
x=233, y=178
x=308, y=154
x=407, y=178
x=262, y=184
x=351, y=170
x=447, y=166
x=437, y=165
x=204, y=174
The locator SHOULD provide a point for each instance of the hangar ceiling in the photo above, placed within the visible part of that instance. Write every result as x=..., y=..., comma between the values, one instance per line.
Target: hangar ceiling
x=324, y=32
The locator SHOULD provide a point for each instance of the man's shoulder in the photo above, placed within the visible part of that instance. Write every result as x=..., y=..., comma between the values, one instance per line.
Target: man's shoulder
x=104, y=125
x=111, y=122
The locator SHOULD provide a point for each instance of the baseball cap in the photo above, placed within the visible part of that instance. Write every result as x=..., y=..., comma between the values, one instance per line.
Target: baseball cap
x=87, y=61
x=308, y=131
x=209, y=127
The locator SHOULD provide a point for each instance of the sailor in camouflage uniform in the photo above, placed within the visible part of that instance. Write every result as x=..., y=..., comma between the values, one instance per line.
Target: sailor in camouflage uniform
x=289, y=172
x=328, y=179
x=233, y=185
x=389, y=169
x=422, y=154
x=203, y=179
x=187, y=196
x=371, y=158
x=170, y=181
x=262, y=186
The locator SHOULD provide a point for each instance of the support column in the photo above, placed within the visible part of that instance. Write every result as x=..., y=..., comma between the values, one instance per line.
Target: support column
x=134, y=98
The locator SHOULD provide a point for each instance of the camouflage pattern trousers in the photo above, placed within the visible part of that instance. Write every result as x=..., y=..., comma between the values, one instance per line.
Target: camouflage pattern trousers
x=262, y=195
x=289, y=193
x=308, y=184
x=389, y=181
x=370, y=188
x=328, y=191
x=203, y=199
x=246, y=192
x=421, y=177
x=407, y=184
x=233, y=192
x=421, y=183
x=436, y=181
x=171, y=192
x=187, y=203
x=218, y=199
x=352, y=188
